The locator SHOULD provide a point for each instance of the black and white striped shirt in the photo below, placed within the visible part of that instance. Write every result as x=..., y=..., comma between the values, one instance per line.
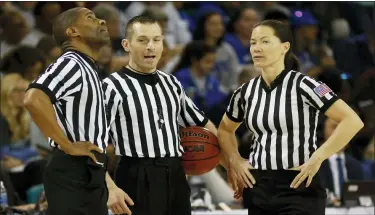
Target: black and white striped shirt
x=145, y=112
x=283, y=118
x=73, y=85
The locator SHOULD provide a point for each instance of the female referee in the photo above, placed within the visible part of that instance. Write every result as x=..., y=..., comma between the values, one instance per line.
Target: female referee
x=281, y=107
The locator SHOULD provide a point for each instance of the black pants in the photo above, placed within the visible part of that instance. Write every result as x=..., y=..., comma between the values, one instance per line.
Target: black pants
x=272, y=195
x=73, y=187
x=157, y=186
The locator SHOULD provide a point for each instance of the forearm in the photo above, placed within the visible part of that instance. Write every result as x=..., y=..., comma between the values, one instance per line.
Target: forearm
x=211, y=127
x=109, y=181
x=43, y=114
x=228, y=145
x=343, y=133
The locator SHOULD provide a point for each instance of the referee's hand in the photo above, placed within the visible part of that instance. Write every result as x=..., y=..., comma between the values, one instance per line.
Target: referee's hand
x=118, y=201
x=308, y=171
x=83, y=149
x=239, y=175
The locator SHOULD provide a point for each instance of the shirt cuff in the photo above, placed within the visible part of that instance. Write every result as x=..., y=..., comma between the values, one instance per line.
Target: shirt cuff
x=233, y=118
x=328, y=104
x=203, y=123
x=45, y=89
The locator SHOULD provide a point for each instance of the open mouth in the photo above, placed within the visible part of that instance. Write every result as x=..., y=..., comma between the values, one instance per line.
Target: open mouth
x=150, y=57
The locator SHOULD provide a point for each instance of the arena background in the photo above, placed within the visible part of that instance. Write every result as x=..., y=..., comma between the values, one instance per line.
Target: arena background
x=334, y=41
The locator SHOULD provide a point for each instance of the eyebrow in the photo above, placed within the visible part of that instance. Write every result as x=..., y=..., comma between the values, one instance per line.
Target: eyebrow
x=144, y=36
x=90, y=12
x=260, y=38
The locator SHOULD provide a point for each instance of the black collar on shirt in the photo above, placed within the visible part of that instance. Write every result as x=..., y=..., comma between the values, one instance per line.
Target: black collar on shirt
x=278, y=80
x=150, y=79
x=87, y=58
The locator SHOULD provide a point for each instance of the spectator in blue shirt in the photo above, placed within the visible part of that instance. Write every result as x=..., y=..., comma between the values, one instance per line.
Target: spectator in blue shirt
x=194, y=73
x=239, y=31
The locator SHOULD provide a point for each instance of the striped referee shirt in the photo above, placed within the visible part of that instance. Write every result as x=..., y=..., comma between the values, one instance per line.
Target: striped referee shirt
x=145, y=112
x=75, y=90
x=282, y=117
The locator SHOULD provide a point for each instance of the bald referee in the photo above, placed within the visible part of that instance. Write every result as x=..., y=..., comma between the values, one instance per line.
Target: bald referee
x=146, y=107
x=281, y=108
x=67, y=103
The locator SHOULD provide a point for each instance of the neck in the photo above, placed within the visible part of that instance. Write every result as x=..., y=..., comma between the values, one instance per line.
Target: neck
x=139, y=69
x=196, y=72
x=88, y=50
x=211, y=41
x=270, y=73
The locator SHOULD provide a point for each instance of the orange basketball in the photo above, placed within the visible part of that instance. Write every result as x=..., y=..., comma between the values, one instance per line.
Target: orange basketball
x=201, y=149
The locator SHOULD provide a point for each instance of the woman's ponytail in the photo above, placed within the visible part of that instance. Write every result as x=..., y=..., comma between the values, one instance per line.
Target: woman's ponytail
x=291, y=62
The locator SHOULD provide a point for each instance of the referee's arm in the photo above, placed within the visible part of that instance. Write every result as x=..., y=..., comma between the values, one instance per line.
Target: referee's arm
x=326, y=101
x=118, y=200
x=61, y=79
x=190, y=115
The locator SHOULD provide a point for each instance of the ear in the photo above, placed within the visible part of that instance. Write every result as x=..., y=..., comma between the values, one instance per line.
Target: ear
x=286, y=47
x=72, y=32
x=125, y=44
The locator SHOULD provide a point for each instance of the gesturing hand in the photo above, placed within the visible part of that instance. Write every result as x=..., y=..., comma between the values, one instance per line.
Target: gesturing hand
x=308, y=169
x=117, y=200
x=82, y=149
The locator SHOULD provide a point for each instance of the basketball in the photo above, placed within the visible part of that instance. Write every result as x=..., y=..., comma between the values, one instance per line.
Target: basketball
x=201, y=150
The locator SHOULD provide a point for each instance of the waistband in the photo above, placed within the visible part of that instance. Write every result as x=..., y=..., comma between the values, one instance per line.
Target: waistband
x=166, y=161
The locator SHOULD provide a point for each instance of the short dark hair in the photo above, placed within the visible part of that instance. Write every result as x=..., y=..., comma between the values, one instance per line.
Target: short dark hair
x=143, y=19
x=194, y=50
x=284, y=33
x=65, y=20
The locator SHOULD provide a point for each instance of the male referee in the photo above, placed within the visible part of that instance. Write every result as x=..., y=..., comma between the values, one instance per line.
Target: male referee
x=145, y=108
x=66, y=102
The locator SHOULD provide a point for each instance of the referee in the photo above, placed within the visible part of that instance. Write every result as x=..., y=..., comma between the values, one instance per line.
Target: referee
x=67, y=103
x=281, y=107
x=145, y=108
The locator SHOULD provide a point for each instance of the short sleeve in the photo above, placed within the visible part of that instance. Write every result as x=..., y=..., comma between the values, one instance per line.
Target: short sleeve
x=235, y=110
x=317, y=94
x=60, y=80
x=190, y=115
x=112, y=100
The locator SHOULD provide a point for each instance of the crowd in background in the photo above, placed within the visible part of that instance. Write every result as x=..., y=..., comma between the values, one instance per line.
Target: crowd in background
x=207, y=48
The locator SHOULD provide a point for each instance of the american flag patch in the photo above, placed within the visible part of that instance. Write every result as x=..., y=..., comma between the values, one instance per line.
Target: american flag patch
x=322, y=90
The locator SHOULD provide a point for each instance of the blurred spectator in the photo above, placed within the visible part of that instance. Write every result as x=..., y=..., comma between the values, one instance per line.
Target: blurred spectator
x=276, y=14
x=15, y=32
x=239, y=31
x=368, y=163
x=26, y=9
x=15, y=121
x=305, y=30
x=17, y=155
x=340, y=167
x=48, y=46
x=210, y=29
x=27, y=61
x=45, y=13
x=340, y=29
x=194, y=73
x=336, y=80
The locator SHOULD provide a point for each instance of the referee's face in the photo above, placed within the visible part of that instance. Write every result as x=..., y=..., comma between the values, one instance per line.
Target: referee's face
x=91, y=29
x=145, y=46
x=266, y=49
